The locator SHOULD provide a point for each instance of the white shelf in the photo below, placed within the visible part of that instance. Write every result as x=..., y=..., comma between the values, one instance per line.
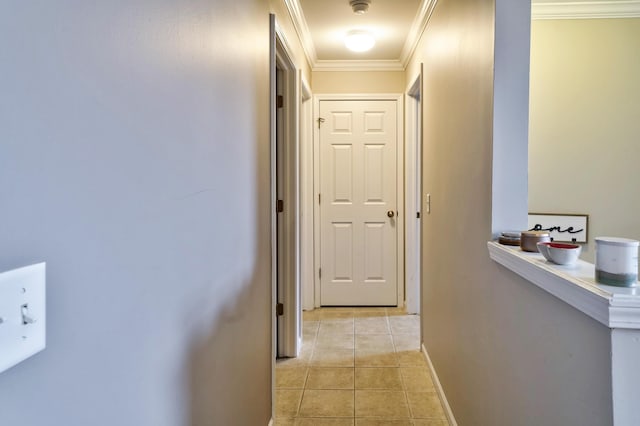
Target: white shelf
x=615, y=307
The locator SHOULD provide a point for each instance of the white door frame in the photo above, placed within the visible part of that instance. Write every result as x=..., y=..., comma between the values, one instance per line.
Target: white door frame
x=400, y=183
x=272, y=207
x=306, y=196
x=413, y=198
x=287, y=332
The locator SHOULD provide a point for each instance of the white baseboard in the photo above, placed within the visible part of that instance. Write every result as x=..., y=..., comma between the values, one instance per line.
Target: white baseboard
x=270, y=422
x=436, y=382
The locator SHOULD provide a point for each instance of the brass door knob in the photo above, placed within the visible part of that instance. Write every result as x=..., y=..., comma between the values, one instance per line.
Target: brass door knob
x=390, y=213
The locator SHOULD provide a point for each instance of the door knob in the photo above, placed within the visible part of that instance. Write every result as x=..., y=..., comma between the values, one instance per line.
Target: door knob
x=390, y=213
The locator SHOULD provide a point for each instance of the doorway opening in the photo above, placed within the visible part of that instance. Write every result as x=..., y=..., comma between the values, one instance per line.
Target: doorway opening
x=413, y=188
x=287, y=206
x=285, y=224
x=306, y=198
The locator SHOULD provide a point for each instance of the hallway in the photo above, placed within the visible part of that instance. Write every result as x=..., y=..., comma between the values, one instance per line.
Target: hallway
x=358, y=366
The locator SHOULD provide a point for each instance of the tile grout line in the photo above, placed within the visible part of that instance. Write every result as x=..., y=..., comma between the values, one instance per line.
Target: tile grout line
x=354, y=371
x=404, y=384
x=308, y=368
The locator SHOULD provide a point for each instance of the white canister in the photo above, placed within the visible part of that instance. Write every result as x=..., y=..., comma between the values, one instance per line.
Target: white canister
x=617, y=261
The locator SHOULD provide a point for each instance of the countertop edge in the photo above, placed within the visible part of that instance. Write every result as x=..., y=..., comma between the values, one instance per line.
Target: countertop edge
x=612, y=307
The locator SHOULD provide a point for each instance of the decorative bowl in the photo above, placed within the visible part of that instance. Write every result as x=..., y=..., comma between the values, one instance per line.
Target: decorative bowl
x=560, y=253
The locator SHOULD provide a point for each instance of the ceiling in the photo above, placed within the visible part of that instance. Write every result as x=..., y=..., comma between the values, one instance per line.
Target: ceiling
x=388, y=20
x=398, y=24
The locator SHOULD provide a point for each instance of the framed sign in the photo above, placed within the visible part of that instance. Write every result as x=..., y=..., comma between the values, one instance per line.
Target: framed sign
x=571, y=228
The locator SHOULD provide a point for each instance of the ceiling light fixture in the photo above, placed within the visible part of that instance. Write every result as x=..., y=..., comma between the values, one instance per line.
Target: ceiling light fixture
x=359, y=41
x=360, y=6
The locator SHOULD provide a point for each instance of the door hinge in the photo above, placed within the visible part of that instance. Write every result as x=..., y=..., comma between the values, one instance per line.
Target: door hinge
x=318, y=198
x=417, y=215
x=279, y=101
x=320, y=121
x=319, y=272
x=280, y=309
x=280, y=206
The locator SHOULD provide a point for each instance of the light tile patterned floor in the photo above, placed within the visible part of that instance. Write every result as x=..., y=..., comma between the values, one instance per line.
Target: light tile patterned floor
x=358, y=367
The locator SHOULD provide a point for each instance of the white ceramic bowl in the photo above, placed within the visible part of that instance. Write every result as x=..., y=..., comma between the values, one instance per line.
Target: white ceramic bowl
x=560, y=253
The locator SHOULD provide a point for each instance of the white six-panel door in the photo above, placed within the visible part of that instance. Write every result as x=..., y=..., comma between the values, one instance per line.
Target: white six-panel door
x=358, y=208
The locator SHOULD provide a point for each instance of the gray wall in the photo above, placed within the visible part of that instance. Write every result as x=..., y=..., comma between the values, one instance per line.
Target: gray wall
x=506, y=352
x=134, y=160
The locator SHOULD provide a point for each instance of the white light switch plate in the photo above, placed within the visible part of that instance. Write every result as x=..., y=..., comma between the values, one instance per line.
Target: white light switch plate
x=22, y=314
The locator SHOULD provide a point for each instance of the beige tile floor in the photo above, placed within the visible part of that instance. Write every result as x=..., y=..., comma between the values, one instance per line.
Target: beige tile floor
x=358, y=367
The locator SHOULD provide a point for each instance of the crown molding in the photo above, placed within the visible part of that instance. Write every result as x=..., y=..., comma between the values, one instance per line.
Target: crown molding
x=300, y=25
x=417, y=28
x=586, y=10
x=358, y=65
x=539, y=11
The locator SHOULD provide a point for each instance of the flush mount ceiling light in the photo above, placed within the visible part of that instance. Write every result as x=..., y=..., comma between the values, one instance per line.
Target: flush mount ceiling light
x=360, y=6
x=359, y=41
